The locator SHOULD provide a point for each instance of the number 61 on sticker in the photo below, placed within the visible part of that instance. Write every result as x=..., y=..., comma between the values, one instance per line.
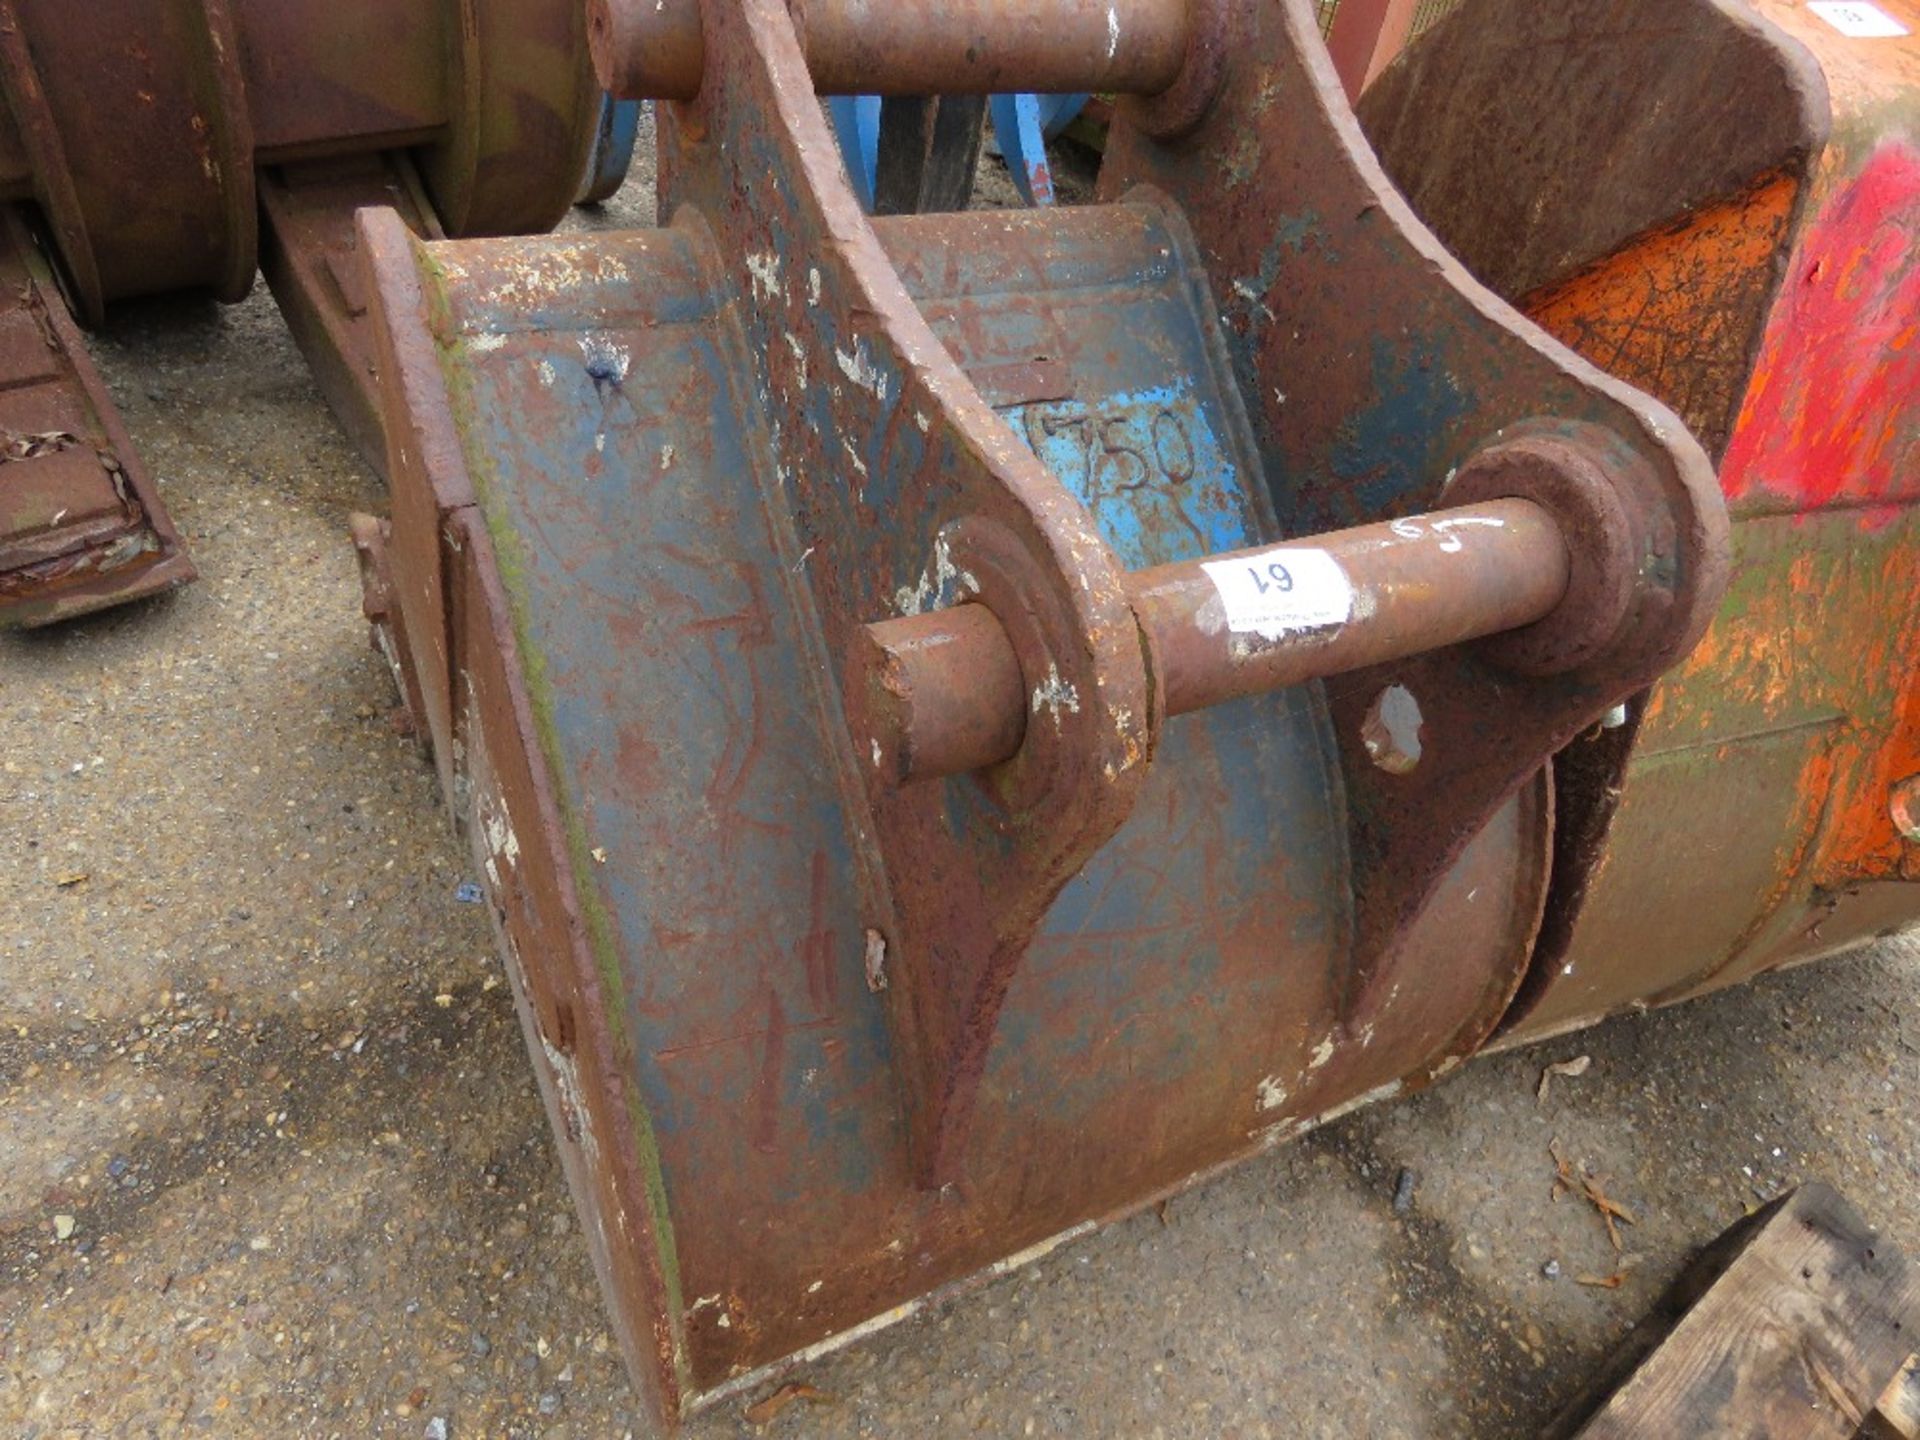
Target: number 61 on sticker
x=1272, y=593
x=1271, y=577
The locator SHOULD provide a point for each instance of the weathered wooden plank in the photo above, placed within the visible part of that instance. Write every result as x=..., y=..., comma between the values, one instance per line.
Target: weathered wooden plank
x=1897, y=1416
x=1796, y=1324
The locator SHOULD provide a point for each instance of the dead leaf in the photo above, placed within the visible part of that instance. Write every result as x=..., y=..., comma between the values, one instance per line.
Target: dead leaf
x=1588, y=1187
x=1608, y=1208
x=1570, y=1069
x=1628, y=1264
x=764, y=1411
x=1563, y=1177
x=16, y=446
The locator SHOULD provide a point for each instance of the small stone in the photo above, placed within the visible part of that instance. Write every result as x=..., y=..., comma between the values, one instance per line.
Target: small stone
x=63, y=1226
x=548, y=1403
x=1403, y=1191
x=1551, y=1270
x=118, y=1166
x=436, y=1428
x=479, y=1344
x=1477, y=1248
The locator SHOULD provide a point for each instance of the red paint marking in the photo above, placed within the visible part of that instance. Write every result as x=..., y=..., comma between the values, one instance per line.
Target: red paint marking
x=1833, y=407
x=1040, y=182
x=816, y=946
x=764, y=1105
x=637, y=760
x=695, y=1049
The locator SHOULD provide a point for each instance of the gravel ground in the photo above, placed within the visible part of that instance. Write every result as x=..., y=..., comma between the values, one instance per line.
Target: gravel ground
x=275, y=1166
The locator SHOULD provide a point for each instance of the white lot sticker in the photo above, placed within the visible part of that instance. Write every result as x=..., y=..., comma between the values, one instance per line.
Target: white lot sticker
x=1272, y=593
x=1858, y=19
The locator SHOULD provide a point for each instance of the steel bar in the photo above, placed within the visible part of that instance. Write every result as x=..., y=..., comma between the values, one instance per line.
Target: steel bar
x=945, y=692
x=654, y=49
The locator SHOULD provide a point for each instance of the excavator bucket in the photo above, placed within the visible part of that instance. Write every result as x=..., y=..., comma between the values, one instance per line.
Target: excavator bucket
x=969, y=722
x=1750, y=253
x=148, y=147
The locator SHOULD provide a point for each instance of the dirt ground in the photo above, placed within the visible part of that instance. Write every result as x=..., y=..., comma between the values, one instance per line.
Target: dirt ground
x=274, y=1165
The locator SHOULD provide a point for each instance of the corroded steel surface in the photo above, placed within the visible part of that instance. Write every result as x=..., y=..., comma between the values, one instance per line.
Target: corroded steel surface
x=153, y=140
x=1419, y=583
x=816, y=1042
x=1307, y=250
x=1365, y=35
x=137, y=127
x=311, y=259
x=1767, y=285
x=138, y=122
x=1509, y=183
x=81, y=525
x=655, y=49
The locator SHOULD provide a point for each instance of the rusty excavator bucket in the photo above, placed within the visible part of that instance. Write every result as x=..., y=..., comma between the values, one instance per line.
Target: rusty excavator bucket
x=151, y=147
x=1752, y=257
x=971, y=721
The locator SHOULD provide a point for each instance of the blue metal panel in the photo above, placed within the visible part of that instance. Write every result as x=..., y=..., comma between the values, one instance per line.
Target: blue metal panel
x=1022, y=125
x=856, y=120
x=612, y=153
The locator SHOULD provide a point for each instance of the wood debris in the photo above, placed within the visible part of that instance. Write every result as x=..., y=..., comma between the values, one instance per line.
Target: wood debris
x=1567, y=1069
x=1569, y=1180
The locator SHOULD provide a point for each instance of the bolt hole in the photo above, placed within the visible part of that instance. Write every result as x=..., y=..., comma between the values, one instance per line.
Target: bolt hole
x=1391, y=731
